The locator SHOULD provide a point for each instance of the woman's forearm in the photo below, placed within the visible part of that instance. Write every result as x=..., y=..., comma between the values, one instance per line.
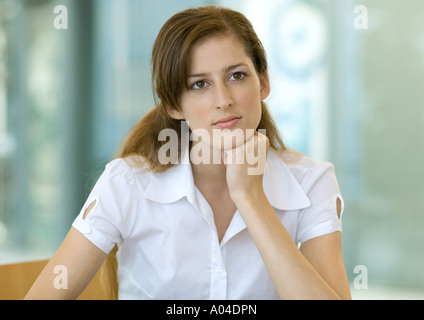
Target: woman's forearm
x=293, y=276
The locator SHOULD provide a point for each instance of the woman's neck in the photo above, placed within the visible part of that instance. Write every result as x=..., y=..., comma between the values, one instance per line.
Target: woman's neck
x=211, y=172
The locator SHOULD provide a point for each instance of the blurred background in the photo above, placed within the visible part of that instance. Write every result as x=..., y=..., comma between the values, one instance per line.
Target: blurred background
x=347, y=87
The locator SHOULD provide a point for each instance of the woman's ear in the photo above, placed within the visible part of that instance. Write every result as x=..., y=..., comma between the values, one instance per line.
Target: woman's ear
x=174, y=113
x=265, y=86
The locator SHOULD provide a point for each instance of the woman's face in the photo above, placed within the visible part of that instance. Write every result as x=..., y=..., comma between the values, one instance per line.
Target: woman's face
x=225, y=92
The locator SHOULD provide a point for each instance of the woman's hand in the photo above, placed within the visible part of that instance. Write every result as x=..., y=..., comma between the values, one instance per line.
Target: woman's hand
x=245, y=167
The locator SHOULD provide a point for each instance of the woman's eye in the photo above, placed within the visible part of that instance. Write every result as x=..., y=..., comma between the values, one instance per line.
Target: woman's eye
x=199, y=85
x=238, y=76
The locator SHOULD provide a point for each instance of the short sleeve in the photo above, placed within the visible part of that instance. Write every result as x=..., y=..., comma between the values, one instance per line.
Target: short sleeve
x=115, y=206
x=322, y=216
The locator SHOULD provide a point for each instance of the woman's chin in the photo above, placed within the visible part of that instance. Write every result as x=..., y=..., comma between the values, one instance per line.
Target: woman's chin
x=233, y=139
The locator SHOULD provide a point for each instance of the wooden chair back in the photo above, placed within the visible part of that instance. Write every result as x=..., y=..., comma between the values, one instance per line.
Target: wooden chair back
x=16, y=279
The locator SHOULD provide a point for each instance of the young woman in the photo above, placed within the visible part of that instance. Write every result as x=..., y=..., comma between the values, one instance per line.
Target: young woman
x=192, y=220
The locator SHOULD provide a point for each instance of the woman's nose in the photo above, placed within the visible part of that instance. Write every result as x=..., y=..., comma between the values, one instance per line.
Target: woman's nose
x=224, y=98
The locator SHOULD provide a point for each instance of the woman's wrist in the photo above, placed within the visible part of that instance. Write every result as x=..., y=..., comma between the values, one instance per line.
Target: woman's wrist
x=254, y=198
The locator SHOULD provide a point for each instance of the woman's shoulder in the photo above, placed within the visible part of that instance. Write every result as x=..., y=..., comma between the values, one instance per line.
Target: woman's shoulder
x=306, y=170
x=298, y=161
x=130, y=163
x=131, y=169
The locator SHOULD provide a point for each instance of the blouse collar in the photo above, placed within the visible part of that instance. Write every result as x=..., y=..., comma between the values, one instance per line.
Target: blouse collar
x=280, y=185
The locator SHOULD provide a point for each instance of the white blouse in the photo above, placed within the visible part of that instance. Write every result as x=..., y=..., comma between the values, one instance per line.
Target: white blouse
x=166, y=235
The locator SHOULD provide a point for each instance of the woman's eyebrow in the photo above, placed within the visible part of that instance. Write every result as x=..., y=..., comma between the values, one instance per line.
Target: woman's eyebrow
x=234, y=66
x=225, y=70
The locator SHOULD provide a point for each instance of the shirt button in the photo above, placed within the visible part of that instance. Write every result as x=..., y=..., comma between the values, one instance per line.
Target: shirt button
x=219, y=271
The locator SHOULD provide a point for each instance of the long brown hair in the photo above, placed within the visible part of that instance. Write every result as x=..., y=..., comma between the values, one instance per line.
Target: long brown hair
x=170, y=66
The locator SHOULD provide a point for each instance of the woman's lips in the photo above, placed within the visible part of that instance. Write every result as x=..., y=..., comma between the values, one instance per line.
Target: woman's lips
x=227, y=122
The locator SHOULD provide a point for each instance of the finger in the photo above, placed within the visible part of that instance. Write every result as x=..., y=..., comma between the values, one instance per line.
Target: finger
x=263, y=139
x=224, y=157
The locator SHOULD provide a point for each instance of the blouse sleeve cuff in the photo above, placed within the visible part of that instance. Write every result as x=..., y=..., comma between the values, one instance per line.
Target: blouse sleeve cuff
x=92, y=235
x=326, y=227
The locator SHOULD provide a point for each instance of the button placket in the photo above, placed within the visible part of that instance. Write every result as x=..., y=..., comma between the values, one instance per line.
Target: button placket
x=218, y=271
